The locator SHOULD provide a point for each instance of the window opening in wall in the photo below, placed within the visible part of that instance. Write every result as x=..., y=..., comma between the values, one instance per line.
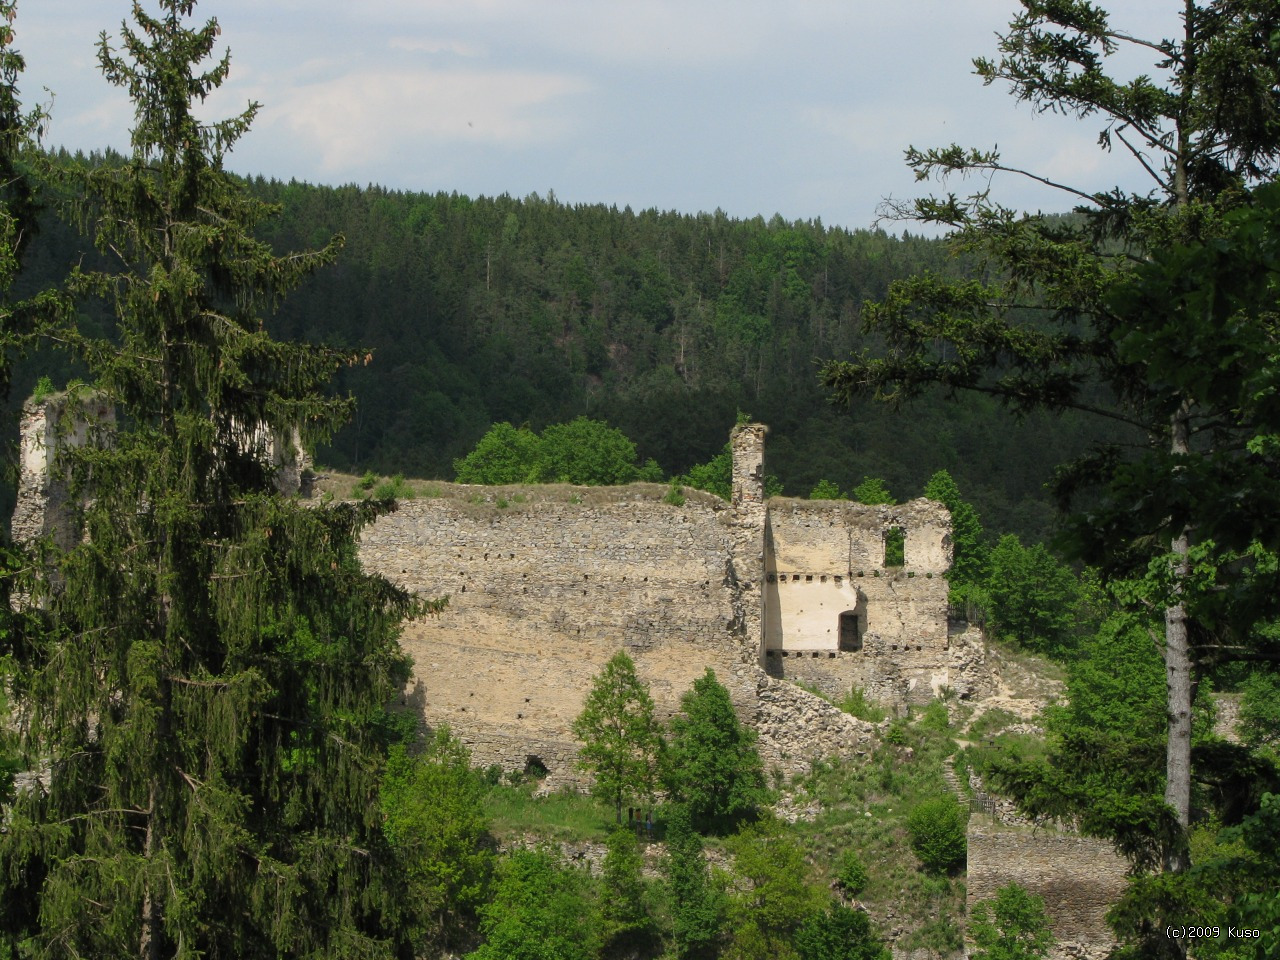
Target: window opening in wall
x=895, y=547
x=534, y=768
x=850, y=635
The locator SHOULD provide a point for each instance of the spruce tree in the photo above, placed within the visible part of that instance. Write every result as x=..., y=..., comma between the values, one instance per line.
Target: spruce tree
x=209, y=695
x=1063, y=320
x=22, y=321
x=713, y=766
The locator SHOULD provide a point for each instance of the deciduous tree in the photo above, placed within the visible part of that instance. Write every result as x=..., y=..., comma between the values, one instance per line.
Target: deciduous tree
x=433, y=817
x=539, y=911
x=697, y=903
x=505, y=454
x=872, y=491
x=773, y=899
x=1032, y=599
x=621, y=740
x=970, y=550
x=714, y=768
x=626, y=926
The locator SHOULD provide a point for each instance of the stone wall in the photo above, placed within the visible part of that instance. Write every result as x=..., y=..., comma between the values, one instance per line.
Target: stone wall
x=836, y=615
x=544, y=590
x=46, y=427
x=547, y=583
x=1078, y=877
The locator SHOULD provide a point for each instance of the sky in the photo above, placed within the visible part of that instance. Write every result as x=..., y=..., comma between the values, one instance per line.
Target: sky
x=799, y=108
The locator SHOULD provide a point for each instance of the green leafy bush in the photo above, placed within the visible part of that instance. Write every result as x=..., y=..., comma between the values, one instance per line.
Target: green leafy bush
x=582, y=451
x=44, y=387
x=826, y=490
x=872, y=491
x=394, y=489
x=856, y=704
x=625, y=921
x=839, y=933
x=1013, y=926
x=851, y=873
x=937, y=830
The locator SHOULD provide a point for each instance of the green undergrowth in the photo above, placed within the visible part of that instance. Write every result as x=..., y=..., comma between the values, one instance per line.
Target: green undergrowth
x=562, y=816
x=864, y=808
x=855, y=702
x=865, y=805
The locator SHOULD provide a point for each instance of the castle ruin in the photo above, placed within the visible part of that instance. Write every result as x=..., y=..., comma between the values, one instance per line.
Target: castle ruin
x=546, y=583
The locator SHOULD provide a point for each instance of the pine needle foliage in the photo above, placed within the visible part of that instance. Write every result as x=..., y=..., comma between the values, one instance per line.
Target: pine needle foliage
x=210, y=694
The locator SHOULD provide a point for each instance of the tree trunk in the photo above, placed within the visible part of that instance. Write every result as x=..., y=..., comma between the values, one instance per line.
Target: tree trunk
x=149, y=939
x=1178, y=680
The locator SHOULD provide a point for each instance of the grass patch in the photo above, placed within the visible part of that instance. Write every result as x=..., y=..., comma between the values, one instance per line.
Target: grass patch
x=565, y=815
x=982, y=755
x=855, y=703
x=394, y=488
x=991, y=723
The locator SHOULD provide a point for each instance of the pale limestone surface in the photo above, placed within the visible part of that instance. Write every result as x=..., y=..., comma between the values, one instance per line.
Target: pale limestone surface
x=42, y=508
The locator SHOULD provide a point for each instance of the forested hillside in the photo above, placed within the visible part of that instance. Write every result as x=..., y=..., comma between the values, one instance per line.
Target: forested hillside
x=484, y=310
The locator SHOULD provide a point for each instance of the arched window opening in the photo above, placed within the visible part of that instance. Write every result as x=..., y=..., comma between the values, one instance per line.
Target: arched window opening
x=850, y=635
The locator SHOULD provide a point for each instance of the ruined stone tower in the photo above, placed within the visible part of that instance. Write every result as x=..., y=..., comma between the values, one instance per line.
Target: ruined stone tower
x=747, y=443
x=48, y=427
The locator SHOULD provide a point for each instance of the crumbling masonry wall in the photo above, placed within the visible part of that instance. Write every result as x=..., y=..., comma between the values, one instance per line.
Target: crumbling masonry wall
x=544, y=590
x=1079, y=879
x=547, y=583
x=57, y=423
x=46, y=427
x=836, y=614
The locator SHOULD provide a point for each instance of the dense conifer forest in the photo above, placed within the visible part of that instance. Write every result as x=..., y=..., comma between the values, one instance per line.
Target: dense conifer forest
x=666, y=325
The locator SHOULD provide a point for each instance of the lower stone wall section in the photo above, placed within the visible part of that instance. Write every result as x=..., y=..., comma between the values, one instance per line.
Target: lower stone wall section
x=1078, y=877
x=797, y=728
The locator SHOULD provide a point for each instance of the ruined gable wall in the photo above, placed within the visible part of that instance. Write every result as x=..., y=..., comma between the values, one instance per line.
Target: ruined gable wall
x=46, y=427
x=825, y=558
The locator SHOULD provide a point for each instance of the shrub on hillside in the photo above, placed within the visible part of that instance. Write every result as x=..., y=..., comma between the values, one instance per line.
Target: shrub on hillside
x=937, y=829
x=851, y=873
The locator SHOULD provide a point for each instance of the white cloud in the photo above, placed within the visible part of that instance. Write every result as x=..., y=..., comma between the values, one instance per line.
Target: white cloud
x=357, y=119
x=431, y=45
